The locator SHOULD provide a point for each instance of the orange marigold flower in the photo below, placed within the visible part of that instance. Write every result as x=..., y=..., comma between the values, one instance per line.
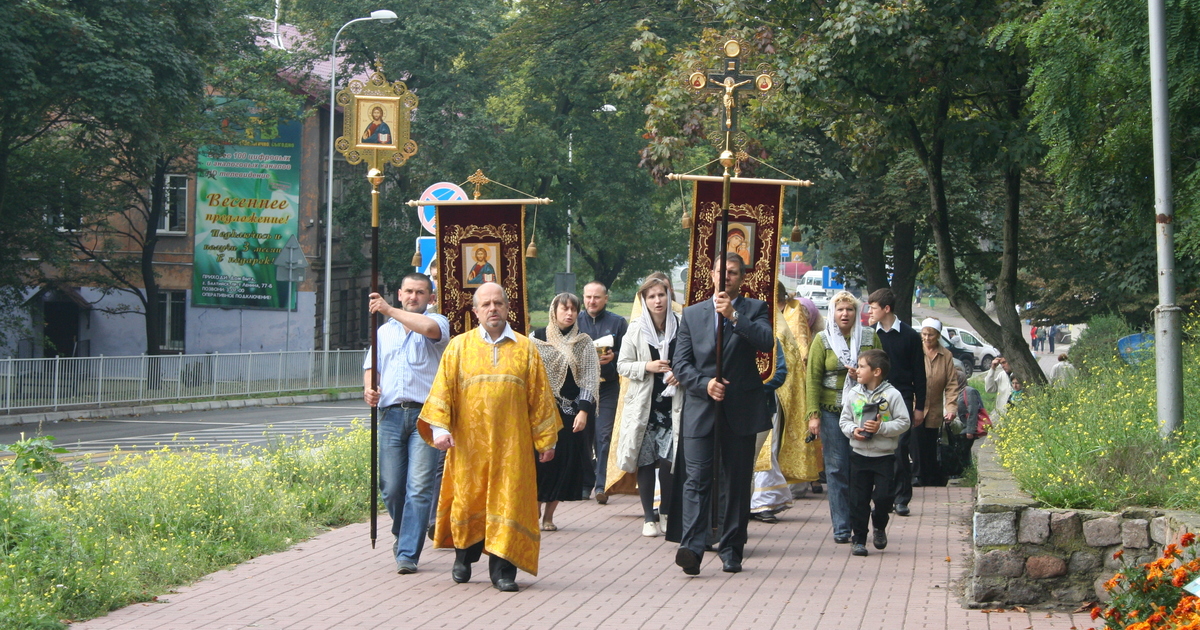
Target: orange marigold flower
x=1118, y=554
x=1179, y=577
x=1141, y=625
x=1112, y=582
x=1165, y=562
x=1095, y=612
x=1171, y=551
x=1187, y=539
x=1112, y=613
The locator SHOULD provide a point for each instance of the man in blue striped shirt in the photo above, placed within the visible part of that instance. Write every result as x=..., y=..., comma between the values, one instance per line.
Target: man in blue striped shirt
x=411, y=343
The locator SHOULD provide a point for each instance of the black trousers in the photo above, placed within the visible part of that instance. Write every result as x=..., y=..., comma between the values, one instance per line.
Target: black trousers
x=902, y=478
x=931, y=473
x=870, y=481
x=736, y=475
x=498, y=568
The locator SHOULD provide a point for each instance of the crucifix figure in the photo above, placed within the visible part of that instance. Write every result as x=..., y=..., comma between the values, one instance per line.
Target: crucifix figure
x=729, y=81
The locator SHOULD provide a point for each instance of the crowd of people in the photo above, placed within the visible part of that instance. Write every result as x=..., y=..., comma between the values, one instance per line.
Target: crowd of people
x=484, y=434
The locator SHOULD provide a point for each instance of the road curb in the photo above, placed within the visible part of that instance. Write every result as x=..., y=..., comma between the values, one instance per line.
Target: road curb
x=120, y=412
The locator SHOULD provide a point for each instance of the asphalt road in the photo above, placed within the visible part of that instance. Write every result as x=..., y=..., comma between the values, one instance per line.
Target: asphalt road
x=217, y=428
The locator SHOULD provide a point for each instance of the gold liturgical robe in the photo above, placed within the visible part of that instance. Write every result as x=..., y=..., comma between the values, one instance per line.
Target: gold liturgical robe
x=497, y=404
x=798, y=461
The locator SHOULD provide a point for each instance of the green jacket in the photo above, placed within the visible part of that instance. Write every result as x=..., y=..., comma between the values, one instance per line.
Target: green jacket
x=826, y=375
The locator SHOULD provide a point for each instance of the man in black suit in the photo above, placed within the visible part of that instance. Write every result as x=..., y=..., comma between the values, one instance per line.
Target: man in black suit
x=734, y=408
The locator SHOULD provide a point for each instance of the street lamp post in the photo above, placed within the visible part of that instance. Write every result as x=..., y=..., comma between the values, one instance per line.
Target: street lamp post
x=386, y=17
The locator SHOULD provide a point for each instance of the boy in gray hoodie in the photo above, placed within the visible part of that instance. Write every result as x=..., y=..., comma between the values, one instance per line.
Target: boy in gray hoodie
x=874, y=417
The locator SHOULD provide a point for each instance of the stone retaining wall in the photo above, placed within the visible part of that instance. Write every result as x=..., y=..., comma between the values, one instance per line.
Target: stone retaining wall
x=1028, y=554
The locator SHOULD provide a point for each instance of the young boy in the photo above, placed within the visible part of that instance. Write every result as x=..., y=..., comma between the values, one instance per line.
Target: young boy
x=874, y=417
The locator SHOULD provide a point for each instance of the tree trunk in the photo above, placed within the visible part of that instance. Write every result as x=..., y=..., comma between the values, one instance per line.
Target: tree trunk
x=149, y=279
x=873, y=259
x=904, y=272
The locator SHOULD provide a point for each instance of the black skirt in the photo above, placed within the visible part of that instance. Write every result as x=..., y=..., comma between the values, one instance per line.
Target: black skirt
x=561, y=479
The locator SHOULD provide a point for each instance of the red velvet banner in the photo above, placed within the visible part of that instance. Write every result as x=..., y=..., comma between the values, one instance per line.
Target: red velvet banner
x=477, y=244
x=755, y=217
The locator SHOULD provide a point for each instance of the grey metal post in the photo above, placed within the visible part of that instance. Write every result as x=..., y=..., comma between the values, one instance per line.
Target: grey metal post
x=8, y=386
x=249, y=366
x=55, y=399
x=213, y=372
x=100, y=383
x=1167, y=339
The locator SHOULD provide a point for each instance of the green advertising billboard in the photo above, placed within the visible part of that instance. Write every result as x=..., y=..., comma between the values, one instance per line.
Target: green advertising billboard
x=247, y=202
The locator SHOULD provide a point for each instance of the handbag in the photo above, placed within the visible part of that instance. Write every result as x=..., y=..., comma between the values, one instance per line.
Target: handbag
x=982, y=420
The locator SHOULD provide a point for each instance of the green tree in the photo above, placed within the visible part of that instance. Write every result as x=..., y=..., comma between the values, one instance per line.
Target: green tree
x=125, y=164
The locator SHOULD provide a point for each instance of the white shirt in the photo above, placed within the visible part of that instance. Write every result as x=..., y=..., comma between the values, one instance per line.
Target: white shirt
x=408, y=361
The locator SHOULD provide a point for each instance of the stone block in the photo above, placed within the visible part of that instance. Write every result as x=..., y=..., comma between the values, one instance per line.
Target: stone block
x=1098, y=588
x=989, y=589
x=1084, y=562
x=1102, y=532
x=1065, y=528
x=1034, y=527
x=1135, y=533
x=1041, y=567
x=1024, y=591
x=999, y=528
x=1075, y=593
x=1158, y=530
x=1000, y=562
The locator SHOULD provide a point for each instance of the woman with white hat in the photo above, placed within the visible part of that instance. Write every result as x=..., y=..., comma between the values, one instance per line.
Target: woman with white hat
x=941, y=401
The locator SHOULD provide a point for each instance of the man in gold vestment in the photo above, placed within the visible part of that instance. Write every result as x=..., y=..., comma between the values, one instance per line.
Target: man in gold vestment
x=491, y=409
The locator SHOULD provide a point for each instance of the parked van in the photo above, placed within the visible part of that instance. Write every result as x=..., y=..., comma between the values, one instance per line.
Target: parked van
x=809, y=286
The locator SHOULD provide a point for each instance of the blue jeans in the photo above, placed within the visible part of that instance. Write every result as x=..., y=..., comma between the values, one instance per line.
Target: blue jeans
x=407, y=468
x=835, y=447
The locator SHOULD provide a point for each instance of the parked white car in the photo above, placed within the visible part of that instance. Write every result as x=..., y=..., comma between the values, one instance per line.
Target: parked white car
x=984, y=352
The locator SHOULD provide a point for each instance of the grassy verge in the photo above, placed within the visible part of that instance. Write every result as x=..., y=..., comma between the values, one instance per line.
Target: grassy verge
x=1095, y=443
x=76, y=545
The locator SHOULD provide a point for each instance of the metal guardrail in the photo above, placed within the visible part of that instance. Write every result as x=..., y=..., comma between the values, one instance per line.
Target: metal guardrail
x=60, y=382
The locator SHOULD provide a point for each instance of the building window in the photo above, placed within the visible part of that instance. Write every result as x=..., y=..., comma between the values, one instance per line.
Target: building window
x=172, y=305
x=174, y=216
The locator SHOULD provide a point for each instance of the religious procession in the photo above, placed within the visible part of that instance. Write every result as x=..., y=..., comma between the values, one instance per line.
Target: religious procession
x=714, y=408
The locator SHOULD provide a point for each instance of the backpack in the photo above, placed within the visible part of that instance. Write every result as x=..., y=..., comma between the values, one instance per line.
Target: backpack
x=983, y=420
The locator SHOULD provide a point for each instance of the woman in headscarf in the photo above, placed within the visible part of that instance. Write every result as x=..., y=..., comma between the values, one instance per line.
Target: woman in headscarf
x=941, y=392
x=649, y=420
x=574, y=371
x=832, y=364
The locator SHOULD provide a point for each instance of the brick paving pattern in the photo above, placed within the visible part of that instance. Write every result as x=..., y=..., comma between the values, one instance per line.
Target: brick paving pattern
x=598, y=572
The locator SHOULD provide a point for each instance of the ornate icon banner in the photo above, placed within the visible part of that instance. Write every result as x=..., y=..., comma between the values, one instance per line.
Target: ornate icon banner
x=755, y=217
x=477, y=244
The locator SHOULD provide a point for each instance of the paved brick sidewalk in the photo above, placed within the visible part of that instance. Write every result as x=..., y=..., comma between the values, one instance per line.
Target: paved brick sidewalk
x=598, y=572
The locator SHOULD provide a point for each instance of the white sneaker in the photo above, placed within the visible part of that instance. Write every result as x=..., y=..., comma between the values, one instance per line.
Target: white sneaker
x=662, y=525
x=650, y=530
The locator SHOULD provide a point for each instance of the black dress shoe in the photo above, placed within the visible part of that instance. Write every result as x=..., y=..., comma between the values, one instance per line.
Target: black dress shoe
x=688, y=561
x=731, y=566
x=902, y=510
x=880, y=539
x=505, y=586
x=841, y=540
x=460, y=573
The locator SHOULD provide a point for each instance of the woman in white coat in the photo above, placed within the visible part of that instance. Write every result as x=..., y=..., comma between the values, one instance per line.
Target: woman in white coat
x=650, y=414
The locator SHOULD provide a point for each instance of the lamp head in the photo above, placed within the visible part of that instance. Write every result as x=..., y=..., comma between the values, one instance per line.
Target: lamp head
x=384, y=15
x=375, y=176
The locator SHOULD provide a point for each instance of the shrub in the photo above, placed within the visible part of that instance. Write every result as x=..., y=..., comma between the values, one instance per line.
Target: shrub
x=1094, y=443
x=91, y=541
x=1096, y=347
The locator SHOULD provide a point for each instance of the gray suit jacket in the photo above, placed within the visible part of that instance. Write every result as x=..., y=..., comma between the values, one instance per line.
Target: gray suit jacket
x=695, y=363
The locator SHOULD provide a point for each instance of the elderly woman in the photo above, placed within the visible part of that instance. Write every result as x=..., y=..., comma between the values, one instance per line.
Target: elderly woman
x=649, y=421
x=941, y=391
x=574, y=372
x=832, y=361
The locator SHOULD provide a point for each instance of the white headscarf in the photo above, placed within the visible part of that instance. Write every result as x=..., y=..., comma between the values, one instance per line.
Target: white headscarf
x=847, y=354
x=661, y=342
